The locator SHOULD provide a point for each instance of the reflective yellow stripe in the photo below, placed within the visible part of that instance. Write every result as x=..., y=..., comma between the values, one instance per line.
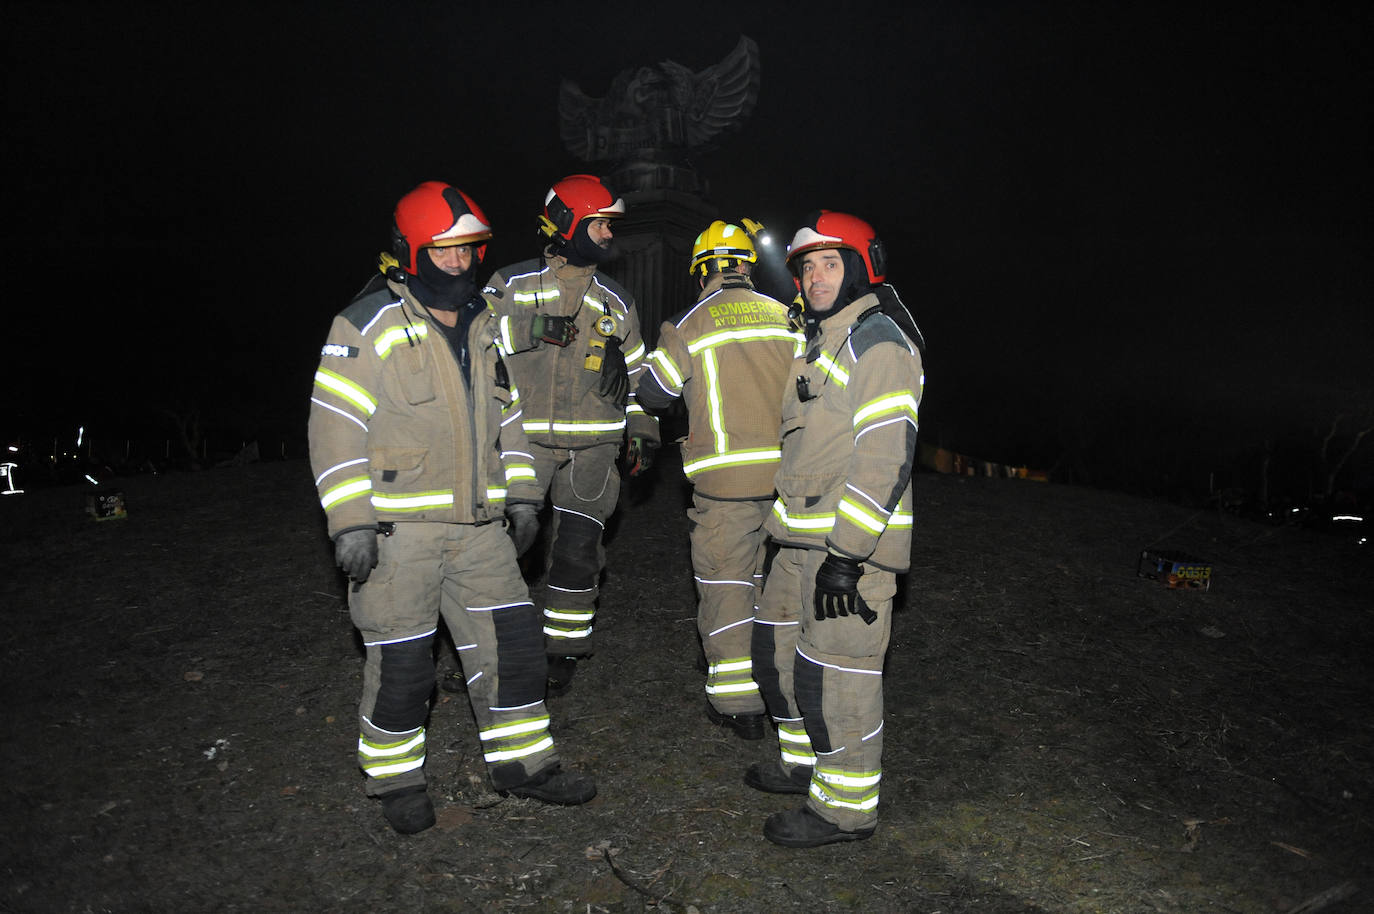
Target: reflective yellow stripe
x=418, y=501
x=803, y=523
x=392, y=337
x=338, y=384
x=832, y=368
x=347, y=490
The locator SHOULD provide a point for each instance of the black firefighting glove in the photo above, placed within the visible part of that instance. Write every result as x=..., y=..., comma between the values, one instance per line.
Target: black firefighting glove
x=615, y=374
x=639, y=455
x=553, y=328
x=522, y=523
x=356, y=553
x=837, y=589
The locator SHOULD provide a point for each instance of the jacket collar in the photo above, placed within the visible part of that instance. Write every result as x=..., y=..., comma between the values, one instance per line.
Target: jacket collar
x=564, y=270
x=842, y=319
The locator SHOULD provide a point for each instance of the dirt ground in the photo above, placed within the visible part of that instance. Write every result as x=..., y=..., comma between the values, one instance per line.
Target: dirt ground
x=1061, y=734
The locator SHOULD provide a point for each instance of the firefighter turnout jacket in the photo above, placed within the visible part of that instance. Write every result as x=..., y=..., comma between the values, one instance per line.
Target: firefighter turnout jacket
x=418, y=427
x=562, y=406
x=396, y=432
x=849, y=422
x=726, y=357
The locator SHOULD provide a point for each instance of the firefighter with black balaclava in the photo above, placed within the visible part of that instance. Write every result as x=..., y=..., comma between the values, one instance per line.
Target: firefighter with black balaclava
x=843, y=522
x=429, y=490
x=576, y=355
x=726, y=358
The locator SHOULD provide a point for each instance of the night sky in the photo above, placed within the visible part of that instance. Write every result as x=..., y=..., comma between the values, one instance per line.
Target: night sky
x=1085, y=205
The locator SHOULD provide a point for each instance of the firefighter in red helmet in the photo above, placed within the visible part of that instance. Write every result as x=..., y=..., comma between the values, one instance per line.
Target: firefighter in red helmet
x=429, y=490
x=576, y=353
x=843, y=520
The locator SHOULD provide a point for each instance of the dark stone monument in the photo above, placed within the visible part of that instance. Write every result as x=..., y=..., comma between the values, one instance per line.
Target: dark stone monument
x=644, y=130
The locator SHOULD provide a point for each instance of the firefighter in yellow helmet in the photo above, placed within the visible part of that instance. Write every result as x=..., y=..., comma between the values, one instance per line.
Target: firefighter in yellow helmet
x=576, y=353
x=429, y=490
x=843, y=522
x=726, y=358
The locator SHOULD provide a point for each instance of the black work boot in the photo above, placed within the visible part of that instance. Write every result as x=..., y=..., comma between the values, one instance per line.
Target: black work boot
x=554, y=785
x=746, y=726
x=803, y=828
x=409, y=810
x=770, y=778
x=561, y=670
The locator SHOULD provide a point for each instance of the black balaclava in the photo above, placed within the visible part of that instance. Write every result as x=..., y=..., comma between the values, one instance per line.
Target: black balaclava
x=854, y=286
x=581, y=251
x=438, y=290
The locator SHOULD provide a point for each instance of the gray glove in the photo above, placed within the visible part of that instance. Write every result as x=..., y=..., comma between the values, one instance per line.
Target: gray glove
x=522, y=523
x=356, y=553
x=553, y=328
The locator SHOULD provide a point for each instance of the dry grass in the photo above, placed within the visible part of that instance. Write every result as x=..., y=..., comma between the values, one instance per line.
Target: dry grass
x=1061, y=735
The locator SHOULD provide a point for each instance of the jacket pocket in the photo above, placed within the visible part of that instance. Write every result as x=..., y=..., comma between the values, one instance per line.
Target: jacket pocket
x=417, y=381
x=394, y=469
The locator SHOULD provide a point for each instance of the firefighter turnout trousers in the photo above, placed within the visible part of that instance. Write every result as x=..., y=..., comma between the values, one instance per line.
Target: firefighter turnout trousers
x=468, y=575
x=583, y=485
x=728, y=545
x=823, y=684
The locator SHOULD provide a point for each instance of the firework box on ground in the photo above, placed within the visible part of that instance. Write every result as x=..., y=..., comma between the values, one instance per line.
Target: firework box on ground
x=106, y=504
x=1176, y=569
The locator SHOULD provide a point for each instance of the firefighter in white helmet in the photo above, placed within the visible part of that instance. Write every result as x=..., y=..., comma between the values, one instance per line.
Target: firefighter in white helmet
x=726, y=358
x=843, y=522
x=576, y=354
x=429, y=490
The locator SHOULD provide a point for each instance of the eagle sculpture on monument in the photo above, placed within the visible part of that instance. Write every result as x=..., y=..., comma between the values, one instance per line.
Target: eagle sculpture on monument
x=660, y=113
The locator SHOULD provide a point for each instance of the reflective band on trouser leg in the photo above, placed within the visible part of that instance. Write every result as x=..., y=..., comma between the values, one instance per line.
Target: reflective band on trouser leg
x=794, y=746
x=774, y=648
x=727, y=552
x=515, y=727
x=842, y=707
x=488, y=610
x=570, y=587
x=774, y=639
x=839, y=686
x=391, y=761
x=841, y=701
x=398, y=679
x=730, y=686
x=583, y=490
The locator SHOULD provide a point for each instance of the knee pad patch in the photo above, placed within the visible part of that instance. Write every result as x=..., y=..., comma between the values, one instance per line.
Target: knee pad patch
x=573, y=564
x=521, y=664
x=809, y=681
x=762, y=646
x=407, y=679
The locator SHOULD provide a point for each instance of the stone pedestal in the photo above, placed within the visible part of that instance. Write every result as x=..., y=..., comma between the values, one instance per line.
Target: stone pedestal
x=655, y=242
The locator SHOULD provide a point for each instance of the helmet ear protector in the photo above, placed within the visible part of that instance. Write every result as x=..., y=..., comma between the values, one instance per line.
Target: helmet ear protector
x=557, y=218
x=399, y=247
x=877, y=258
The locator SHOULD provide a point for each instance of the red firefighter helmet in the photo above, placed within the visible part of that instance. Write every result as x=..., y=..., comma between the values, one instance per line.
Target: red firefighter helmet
x=828, y=229
x=573, y=199
x=436, y=214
